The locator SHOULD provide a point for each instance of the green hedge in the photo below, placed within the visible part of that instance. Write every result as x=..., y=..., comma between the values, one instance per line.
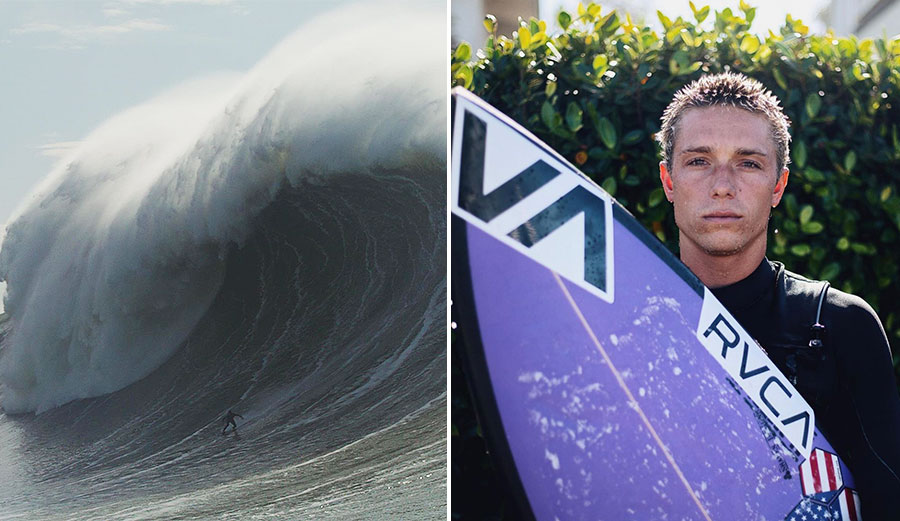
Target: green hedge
x=595, y=93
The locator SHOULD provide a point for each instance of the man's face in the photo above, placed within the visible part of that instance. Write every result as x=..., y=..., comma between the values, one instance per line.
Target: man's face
x=722, y=181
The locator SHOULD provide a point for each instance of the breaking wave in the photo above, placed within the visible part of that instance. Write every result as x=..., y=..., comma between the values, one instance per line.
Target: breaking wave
x=327, y=156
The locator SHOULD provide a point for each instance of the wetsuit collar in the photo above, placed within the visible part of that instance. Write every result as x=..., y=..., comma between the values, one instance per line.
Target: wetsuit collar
x=746, y=292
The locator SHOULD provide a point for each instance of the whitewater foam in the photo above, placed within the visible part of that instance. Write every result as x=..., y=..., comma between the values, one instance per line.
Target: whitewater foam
x=117, y=255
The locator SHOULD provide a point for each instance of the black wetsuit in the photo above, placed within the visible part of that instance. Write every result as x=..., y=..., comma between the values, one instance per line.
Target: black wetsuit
x=229, y=420
x=849, y=381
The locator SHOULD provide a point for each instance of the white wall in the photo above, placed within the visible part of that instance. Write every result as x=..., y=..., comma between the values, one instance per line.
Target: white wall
x=466, y=18
x=845, y=16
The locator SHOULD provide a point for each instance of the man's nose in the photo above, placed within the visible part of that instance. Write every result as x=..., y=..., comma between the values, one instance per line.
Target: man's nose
x=723, y=182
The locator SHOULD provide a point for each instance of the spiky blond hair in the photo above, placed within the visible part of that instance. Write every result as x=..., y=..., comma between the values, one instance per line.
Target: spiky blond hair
x=730, y=90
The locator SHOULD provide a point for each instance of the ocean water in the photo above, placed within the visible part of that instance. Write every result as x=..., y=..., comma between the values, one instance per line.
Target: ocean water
x=273, y=244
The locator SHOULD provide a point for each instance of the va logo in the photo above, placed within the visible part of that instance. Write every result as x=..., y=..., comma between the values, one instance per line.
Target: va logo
x=536, y=202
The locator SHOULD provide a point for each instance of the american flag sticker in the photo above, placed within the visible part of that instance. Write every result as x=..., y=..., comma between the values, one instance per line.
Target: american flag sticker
x=846, y=508
x=810, y=510
x=821, y=472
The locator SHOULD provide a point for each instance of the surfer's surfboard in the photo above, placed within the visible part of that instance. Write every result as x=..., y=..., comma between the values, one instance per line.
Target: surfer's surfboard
x=612, y=385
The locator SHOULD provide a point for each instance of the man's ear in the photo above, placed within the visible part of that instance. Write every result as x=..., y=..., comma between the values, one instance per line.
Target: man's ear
x=665, y=178
x=780, y=185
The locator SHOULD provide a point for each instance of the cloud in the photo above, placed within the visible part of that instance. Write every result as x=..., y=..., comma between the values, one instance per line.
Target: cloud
x=86, y=31
x=120, y=18
x=114, y=12
x=167, y=2
x=75, y=36
x=59, y=149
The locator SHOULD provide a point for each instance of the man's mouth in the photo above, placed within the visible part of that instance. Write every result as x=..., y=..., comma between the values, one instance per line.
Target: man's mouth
x=722, y=217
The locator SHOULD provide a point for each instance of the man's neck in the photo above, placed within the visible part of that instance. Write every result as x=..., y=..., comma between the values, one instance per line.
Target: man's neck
x=718, y=271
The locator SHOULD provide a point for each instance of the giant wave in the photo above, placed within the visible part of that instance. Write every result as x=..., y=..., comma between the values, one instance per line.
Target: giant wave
x=118, y=255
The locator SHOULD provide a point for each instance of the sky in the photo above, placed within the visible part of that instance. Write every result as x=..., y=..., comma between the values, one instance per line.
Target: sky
x=770, y=14
x=69, y=65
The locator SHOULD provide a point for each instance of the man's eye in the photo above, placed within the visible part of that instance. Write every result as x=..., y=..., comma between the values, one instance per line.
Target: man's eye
x=697, y=161
x=751, y=164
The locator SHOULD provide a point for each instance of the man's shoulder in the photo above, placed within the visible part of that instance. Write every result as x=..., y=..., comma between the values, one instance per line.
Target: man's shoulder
x=838, y=305
x=852, y=308
x=798, y=286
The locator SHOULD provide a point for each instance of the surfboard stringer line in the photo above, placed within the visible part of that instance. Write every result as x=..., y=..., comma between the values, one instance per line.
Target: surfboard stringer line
x=631, y=398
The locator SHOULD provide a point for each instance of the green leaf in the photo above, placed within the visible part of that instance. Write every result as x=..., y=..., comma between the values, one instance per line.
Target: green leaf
x=490, y=23
x=463, y=76
x=790, y=204
x=847, y=47
x=862, y=249
x=600, y=64
x=750, y=15
x=842, y=244
x=850, y=161
x=800, y=250
x=800, y=154
x=779, y=79
x=664, y=20
x=790, y=227
x=785, y=51
x=881, y=44
x=607, y=133
x=609, y=184
x=632, y=137
x=463, y=52
x=813, y=104
x=812, y=227
x=548, y=115
x=550, y=89
x=830, y=271
x=702, y=14
x=610, y=23
x=564, y=19
x=814, y=175
x=678, y=63
x=806, y=214
x=885, y=193
x=573, y=117
x=750, y=44
x=656, y=197
x=524, y=37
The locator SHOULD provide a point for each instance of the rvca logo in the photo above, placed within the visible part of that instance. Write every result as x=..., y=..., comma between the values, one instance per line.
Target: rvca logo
x=746, y=362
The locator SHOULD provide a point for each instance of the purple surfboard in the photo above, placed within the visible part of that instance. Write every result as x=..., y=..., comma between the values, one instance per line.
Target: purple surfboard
x=611, y=383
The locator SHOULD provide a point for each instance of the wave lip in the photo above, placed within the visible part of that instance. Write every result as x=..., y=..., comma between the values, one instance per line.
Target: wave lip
x=121, y=250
